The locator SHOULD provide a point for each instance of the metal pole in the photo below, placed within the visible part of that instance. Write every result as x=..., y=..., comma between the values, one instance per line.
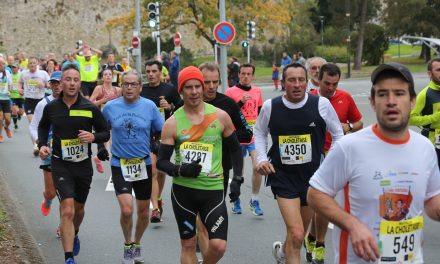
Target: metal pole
x=398, y=47
x=158, y=30
x=216, y=53
x=348, y=14
x=322, y=30
x=249, y=51
x=223, y=51
x=138, y=29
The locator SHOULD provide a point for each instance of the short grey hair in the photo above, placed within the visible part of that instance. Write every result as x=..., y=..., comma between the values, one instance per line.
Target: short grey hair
x=133, y=72
x=309, y=61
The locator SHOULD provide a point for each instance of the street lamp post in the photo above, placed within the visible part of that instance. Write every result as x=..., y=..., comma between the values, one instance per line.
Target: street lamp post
x=322, y=29
x=348, y=44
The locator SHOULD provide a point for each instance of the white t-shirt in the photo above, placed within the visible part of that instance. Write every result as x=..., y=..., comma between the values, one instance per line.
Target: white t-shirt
x=30, y=80
x=311, y=86
x=5, y=83
x=379, y=181
x=38, y=113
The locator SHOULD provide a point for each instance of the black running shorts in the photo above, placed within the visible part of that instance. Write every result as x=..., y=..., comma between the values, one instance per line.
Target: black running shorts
x=188, y=202
x=289, y=187
x=18, y=102
x=5, y=106
x=72, y=179
x=30, y=104
x=87, y=88
x=142, y=188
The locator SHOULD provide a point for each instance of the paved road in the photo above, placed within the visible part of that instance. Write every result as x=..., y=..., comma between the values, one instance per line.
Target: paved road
x=250, y=237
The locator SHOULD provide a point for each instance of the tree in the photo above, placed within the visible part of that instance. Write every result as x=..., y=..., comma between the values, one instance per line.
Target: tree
x=360, y=41
x=269, y=15
x=375, y=43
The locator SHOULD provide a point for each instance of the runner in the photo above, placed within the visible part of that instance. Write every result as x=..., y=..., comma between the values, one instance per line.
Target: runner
x=426, y=112
x=16, y=98
x=196, y=132
x=249, y=99
x=211, y=76
x=350, y=119
x=115, y=67
x=72, y=119
x=32, y=85
x=89, y=68
x=49, y=188
x=296, y=152
x=313, y=65
x=382, y=192
x=5, y=104
x=131, y=119
x=166, y=98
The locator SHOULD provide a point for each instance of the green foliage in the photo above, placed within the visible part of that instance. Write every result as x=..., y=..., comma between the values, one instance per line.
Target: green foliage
x=149, y=48
x=336, y=54
x=3, y=220
x=375, y=44
x=333, y=36
x=411, y=50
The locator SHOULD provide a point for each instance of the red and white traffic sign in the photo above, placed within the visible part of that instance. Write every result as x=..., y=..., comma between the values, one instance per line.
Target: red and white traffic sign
x=135, y=42
x=224, y=32
x=177, y=38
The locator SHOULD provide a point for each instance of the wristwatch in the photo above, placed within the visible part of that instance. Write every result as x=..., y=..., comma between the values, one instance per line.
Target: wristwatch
x=350, y=125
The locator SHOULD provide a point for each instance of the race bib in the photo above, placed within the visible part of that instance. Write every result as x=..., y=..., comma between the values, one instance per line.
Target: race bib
x=400, y=241
x=88, y=68
x=115, y=77
x=251, y=123
x=162, y=112
x=15, y=86
x=73, y=150
x=3, y=88
x=437, y=138
x=295, y=149
x=192, y=151
x=134, y=169
x=32, y=88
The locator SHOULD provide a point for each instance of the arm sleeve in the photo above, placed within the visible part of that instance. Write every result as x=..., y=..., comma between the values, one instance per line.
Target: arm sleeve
x=43, y=128
x=163, y=160
x=236, y=154
x=416, y=118
x=331, y=175
x=261, y=130
x=244, y=132
x=331, y=119
x=102, y=133
x=33, y=126
x=175, y=97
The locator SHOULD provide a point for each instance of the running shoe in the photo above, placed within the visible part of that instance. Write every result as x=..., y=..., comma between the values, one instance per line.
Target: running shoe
x=310, y=247
x=70, y=261
x=128, y=255
x=8, y=132
x=155, y=216
x=1, y=139
x=45, y=207
x=160, y=206
x=98, y=164
x=254, y=206
x=15, y=127
x=138, y=259
x=236, y=207
x=76, y=246
x=318, y=255
x=58, y=231
x=276, y=247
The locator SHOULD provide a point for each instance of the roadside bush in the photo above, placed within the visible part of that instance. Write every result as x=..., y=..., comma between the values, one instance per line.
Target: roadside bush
x=375, y=44
x=332, y=53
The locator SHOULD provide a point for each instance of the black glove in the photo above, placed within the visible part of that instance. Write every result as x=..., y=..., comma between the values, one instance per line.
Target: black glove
x=102, y=152
x=235, y=188
x=154, y=146
x=190, y=170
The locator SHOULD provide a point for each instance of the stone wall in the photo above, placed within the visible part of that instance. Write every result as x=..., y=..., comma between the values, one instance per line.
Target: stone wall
x=40, y=26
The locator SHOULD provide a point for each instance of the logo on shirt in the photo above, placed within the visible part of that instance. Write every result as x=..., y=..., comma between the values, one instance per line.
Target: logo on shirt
x=312, y=124
x=129, y=128
x=377, y=175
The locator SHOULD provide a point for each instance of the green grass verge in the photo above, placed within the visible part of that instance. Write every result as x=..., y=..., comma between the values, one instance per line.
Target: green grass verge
x=405, y=50
x=3, y=219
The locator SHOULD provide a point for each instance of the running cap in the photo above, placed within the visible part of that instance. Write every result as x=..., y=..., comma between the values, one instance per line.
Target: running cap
x=395, y=67
x=15, y=65
x=190, y=73
x=56, y=76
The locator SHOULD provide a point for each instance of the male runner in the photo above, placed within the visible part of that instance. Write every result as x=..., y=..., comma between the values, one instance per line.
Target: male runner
x=196, y=132
x=296, y=152
x=388, y=177
x=350, y=119
x=132, y=119
x=249, y=99
x=5, y=103
x=16, y=98
x=72, y=118
x=166, y=98
x=313, y=65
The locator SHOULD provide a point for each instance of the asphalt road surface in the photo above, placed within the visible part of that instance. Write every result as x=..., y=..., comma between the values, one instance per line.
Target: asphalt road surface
x=250, y=237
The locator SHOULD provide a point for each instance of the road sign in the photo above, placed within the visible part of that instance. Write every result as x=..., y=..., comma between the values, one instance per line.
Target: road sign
x=224, y=32
x=177, y=38
x=135, y=42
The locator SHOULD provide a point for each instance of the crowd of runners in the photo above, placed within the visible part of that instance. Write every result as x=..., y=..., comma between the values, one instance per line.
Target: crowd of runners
x=376, y=184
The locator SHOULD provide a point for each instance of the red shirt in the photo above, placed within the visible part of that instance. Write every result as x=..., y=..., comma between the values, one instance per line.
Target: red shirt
x=345, y=108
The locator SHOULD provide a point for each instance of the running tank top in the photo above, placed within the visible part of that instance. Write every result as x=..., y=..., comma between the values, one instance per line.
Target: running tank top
x=204, y=142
